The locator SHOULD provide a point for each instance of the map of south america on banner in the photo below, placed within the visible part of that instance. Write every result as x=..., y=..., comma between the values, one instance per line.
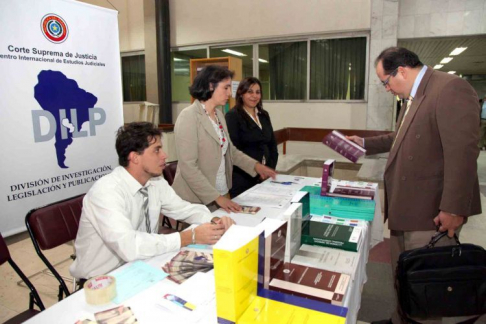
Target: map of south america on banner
x=61, y=103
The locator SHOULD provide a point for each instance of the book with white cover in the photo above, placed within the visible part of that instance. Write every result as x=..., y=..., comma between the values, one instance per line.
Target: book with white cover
x=321, y=257
x=275, y=241
x=293, y=216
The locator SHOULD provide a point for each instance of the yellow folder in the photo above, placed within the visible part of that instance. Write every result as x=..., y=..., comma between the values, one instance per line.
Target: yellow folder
x=267, y=311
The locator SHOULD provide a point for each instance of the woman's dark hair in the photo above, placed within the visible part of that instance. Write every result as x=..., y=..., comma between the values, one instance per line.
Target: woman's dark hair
x=134, y=137
x=210, y=75
x=243, y=88
x=393, y=57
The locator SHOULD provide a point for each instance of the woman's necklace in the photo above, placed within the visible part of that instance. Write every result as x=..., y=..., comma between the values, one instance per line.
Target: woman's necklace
x=223, y=139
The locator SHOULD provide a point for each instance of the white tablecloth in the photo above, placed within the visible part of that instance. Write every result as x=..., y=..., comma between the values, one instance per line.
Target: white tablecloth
x=144, y=305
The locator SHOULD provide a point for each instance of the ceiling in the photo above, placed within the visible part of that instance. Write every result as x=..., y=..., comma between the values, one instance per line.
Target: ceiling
x=432, y=50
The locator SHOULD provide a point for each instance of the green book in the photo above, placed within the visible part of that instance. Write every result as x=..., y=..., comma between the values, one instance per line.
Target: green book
x=339, y=206
x=342, y=237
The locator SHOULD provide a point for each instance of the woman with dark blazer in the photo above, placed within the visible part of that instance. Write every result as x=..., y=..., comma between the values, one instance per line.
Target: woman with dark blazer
x=251, y=132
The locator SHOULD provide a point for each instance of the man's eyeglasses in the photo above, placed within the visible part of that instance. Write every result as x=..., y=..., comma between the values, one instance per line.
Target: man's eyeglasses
x=394, y=73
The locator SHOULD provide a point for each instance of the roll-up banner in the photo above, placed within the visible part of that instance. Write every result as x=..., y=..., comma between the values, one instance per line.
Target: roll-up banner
x=61, y=102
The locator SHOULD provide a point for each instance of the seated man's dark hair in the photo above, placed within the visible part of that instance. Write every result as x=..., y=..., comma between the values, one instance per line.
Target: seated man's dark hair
x=134, y=137
x=393, y=57
x=210, y=75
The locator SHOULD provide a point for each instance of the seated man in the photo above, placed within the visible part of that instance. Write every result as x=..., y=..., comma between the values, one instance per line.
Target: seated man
x=120, y=214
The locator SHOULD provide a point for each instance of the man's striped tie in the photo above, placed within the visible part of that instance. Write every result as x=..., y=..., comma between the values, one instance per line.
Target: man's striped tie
x=145, y=208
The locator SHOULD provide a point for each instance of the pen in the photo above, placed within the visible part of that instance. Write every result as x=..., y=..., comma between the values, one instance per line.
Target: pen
x=283, y=182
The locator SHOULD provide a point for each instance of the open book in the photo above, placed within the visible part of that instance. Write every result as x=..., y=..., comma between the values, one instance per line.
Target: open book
x=339, y=143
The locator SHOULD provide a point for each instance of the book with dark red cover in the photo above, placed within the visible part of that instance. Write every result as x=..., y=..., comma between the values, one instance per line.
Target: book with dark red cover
x=353, y=189
x=345, y=195
x=327, y=172
x=339, y=143
x=311, y=283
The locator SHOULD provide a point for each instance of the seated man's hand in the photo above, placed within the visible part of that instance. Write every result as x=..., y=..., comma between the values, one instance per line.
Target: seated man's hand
x=264, y=171
x=358, y=140
x=225, y=220
x=228, y=205
x=209, y=233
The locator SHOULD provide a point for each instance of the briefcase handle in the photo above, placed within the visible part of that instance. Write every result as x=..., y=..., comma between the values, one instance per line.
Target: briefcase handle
x=437, y=236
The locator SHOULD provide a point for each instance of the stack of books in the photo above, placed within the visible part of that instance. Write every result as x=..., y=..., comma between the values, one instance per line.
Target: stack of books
x=305, y=281
x=340, y=207
x=338, y=220
x=342, y=188
x=187, y=263
x=245, y=259
x=352, y=189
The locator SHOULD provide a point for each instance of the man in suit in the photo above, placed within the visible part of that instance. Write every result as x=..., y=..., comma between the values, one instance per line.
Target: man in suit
x=482, y=136
x=431, y=174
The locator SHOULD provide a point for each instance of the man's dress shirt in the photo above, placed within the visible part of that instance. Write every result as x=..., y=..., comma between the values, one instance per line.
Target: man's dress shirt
x=112, y=226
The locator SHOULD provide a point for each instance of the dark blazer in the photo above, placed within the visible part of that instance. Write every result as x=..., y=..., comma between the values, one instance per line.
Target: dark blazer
x=432, y=166
x=253, y=141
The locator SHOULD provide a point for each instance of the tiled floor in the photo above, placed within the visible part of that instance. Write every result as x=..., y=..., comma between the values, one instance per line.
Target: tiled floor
x=15, y=298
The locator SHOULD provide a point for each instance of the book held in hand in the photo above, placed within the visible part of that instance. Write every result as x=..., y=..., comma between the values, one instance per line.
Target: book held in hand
x=339, y=143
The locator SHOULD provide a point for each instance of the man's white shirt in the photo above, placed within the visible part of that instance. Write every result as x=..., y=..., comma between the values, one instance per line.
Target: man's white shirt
x=112, y=226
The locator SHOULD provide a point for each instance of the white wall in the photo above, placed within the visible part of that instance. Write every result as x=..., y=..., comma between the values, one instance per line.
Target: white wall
x=196, y=22
x=308, y=115
x=211, y=21
x=317, y=115
x=130, y=22
x=433, y=18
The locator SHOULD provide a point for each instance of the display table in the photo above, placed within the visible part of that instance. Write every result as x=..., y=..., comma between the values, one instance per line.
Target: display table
x=144, y=305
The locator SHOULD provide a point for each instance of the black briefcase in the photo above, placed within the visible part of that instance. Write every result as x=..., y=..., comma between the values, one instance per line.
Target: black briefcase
x=446, y=281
